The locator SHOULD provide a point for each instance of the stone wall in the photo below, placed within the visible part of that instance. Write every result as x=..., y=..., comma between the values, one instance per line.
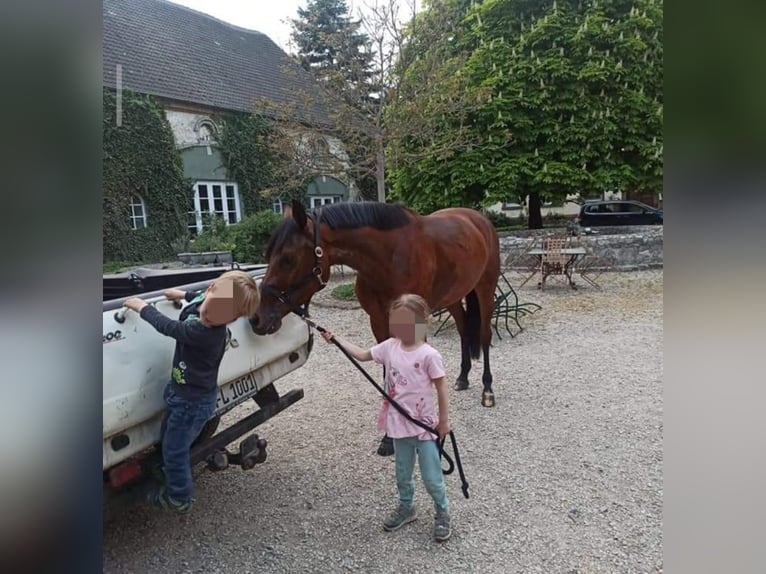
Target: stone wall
x=628, y=248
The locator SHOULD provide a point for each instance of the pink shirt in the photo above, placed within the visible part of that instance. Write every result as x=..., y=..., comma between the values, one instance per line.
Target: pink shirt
x=409, y=376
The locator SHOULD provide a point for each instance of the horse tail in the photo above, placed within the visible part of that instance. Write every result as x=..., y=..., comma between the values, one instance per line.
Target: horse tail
x=473, y=324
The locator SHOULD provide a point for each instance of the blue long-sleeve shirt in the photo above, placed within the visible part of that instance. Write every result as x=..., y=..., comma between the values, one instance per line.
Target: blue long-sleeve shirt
x=199, y=348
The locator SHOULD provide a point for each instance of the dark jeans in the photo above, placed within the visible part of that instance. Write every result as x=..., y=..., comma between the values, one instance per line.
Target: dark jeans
x=181, y=425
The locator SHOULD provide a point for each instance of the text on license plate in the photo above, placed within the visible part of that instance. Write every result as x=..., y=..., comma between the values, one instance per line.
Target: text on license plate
x=232, y=393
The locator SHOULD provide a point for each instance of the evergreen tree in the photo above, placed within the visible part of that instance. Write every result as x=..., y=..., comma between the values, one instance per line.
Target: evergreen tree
x=331, y=45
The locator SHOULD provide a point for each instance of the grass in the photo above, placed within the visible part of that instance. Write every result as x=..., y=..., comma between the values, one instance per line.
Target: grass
x=344, y=292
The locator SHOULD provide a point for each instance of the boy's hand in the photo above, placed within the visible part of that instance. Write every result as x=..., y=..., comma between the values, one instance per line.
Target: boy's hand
x=328, y=336
x=174, y=294
x=135, y=304
x=443, y=428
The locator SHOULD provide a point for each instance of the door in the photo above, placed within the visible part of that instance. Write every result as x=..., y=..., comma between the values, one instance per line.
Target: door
x=633, y=214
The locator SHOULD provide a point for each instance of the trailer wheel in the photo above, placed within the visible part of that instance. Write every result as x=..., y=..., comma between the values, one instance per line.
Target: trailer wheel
x=266, y=396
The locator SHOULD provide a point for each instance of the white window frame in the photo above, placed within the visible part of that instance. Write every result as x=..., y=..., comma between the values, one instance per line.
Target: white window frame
x=135, y=219
x=198, y=213
x=320, y=200
x=278, y=206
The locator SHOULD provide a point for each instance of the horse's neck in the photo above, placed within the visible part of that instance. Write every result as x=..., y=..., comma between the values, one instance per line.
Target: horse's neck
x=367, y=255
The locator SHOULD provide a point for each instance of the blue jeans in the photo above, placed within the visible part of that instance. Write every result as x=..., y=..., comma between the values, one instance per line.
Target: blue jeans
x=181, y=426
x=430, y=470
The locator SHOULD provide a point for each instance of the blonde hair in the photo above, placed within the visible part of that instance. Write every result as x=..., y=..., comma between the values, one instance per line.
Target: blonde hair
x=414, y=303
x=245, y=291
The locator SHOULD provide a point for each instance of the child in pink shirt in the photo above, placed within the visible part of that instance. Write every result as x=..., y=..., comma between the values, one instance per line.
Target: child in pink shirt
x=413, y=368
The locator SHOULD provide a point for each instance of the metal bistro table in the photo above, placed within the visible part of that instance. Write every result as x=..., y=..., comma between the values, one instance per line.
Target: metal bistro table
x=573, y=253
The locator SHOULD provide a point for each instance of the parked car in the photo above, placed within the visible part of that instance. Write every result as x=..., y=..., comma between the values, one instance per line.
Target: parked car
x=618, y=212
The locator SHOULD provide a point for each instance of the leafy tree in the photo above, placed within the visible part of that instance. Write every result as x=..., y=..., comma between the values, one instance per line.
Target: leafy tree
x=374, y=136
x=571, y=103
x=249, y=158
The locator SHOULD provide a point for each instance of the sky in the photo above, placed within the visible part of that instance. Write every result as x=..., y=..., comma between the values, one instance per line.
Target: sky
x=267, y=16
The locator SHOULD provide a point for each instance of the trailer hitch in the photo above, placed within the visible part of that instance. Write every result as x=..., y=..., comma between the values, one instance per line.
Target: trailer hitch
x=252, y=451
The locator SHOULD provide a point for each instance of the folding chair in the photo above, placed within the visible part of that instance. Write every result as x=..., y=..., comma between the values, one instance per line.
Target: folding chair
x=554, y=261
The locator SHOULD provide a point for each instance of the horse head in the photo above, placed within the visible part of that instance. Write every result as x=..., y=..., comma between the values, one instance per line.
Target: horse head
x=297, y=268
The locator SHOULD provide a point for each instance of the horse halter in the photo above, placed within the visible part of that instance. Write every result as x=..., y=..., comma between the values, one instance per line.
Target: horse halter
x=316, y=273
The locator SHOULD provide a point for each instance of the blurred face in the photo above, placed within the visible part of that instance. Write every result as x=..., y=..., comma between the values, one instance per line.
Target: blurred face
x=405, y=326
x=219, y=307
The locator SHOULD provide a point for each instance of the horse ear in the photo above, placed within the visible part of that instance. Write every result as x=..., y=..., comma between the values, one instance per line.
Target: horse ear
x=299, y=214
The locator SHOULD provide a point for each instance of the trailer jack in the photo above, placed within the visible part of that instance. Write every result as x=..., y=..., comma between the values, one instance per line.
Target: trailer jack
x=252, y=451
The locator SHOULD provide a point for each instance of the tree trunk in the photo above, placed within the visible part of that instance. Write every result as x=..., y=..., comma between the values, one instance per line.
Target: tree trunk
x=535, y=215
x=380, y=170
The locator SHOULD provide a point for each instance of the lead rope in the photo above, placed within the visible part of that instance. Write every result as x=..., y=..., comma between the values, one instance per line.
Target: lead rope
x=440, y=444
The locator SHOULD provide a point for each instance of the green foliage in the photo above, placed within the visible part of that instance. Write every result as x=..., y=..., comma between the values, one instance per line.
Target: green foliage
x=251, y=235
x=500, y=219
x=571, y=102
x=345, y=292
x=246, y=240
x=140, y=157
x=215, y=235
x=331, y=44
x=244, y=142
x=333, y=47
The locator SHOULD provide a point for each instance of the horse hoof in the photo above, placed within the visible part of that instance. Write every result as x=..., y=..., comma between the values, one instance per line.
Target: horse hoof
x=461, y=385
x=488, y=399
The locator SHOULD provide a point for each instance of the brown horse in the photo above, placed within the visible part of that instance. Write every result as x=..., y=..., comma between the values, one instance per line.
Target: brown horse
x=450, y=255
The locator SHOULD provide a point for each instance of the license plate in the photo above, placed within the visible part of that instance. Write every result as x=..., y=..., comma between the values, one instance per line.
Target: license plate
x=236, y=391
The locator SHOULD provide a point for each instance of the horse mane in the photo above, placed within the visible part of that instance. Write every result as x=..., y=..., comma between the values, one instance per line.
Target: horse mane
x=382, y=216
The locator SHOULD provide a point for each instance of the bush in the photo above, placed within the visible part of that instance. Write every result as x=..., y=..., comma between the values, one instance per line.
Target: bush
x=251, y=235
x=215, y=236
x=345, y=292
x=500, y=219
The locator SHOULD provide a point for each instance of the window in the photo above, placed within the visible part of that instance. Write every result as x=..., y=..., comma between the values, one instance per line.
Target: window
x=600, y=208
x=318, y=201
x=206, y=131
x=276, y=205
x=215, y=198
x=628, y=208
x=137, y=212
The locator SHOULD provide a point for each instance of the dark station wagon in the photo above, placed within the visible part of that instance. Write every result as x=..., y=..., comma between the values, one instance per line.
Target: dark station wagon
x=618, y=212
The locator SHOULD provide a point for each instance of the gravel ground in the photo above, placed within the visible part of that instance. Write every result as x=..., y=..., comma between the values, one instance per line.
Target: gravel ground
x=565, y=472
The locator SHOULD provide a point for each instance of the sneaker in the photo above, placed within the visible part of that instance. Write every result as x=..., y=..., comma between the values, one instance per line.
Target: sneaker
x=159, y=499
x=442, y=530
x=399, y=518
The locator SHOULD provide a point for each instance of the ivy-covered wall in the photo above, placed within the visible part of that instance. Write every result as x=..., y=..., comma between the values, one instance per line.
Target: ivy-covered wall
x=140, y=157
x=251, y=161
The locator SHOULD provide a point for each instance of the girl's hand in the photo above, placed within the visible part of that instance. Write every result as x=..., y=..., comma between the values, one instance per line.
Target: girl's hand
x=328, y=336
x=443, y=428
